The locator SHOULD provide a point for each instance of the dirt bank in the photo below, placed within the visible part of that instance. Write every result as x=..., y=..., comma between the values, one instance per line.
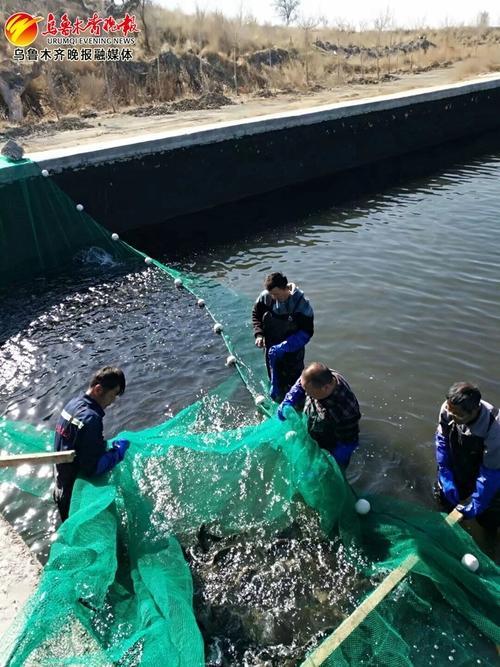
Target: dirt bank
x=20, y=574
x=190, y=112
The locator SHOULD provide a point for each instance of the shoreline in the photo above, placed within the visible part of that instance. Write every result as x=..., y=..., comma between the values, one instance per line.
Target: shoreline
x=20, y=574
x=120, y=125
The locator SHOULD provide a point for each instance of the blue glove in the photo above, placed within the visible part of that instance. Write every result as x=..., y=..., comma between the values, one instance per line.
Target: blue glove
x=107, y=462
x=343, y=451
x=294, y=396
x=112, y=457
x=121, y=446
x=447, y=484
x=275, y=390
x=272, y=355
x=442, y=451
x=468, y=511
x=487, y=486
x=293, y=343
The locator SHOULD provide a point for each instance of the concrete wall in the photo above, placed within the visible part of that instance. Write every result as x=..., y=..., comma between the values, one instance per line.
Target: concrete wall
x=151, y=178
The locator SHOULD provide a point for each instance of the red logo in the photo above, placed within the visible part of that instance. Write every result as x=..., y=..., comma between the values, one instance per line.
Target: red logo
x=21, y=29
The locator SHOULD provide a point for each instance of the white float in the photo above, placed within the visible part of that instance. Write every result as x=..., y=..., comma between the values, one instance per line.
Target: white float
x=362, y=506
x=470, y=562
x=79, y=207
x=218, y=328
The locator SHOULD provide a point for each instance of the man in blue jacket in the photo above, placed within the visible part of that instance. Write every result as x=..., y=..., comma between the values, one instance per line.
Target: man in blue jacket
x=80, y=428
x=331, y=408
x=468, y=455
x=283, y=323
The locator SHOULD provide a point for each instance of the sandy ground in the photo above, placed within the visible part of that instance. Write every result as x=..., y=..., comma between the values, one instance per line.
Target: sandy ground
x=110, y=126
x=19, y=574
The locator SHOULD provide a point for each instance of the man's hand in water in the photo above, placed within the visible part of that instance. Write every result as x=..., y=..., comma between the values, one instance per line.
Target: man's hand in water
x=259, y=341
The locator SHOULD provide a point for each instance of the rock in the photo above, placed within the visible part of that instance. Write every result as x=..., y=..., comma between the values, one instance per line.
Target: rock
x=12, y=150
x=87, y=113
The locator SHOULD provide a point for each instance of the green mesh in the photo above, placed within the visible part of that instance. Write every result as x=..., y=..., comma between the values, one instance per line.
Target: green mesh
x=40, y=228
x=117, y=589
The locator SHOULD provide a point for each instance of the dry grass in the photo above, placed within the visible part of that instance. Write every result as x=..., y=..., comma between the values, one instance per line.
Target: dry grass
x=92, y=91
x=194, y=54
x=487, y=59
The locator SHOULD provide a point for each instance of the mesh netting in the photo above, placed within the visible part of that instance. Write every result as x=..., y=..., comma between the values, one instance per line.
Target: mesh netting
x=117, y=588
x=41, y=229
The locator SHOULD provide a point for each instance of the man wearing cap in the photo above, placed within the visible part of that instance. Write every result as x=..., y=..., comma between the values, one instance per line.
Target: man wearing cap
x=467, y=444
x=80, y=428
x=283, y=323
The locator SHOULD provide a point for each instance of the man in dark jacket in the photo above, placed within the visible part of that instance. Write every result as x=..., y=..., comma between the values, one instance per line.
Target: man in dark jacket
x=283, y=323
x=80, y=428
x=468, y=455
x=332, y=410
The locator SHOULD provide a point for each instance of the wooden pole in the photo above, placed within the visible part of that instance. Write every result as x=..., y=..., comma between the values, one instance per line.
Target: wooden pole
x=37, y=459
x=326, y=648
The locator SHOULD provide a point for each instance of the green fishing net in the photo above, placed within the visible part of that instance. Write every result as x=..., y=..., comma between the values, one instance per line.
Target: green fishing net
x=117, y=588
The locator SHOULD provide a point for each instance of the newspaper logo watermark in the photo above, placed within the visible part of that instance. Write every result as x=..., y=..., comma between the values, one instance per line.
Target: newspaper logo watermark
x=21, y=29
x=73, y=38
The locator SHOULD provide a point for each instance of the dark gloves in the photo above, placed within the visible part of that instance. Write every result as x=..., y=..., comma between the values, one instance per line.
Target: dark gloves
x=343, y=451
x=447, y=484
x=487, y=486
x=121, y=446
x=112, y=457
x=294, y=396
x=293, y=343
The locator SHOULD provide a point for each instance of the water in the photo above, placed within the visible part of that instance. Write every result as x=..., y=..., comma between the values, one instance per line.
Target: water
x=404, y=287
x=405, y=291
x=55, y=334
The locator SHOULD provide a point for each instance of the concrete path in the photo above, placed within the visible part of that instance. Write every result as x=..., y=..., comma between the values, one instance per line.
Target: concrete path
x=110, y=127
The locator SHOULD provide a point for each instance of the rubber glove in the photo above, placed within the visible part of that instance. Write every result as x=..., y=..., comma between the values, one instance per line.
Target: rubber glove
x=112, y=457
x=294, y=396
x=487, y=486
x=275, y=390
x=447, y=484
x=122, y=446
x=293, y=343
x=343, y=451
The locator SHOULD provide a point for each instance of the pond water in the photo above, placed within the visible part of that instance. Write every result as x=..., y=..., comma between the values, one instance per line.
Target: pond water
x=405, y=291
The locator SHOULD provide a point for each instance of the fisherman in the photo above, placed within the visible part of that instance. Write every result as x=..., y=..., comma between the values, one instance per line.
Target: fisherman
x=80, y=428
x=331, y=407
x=283, y=323
x=468, y=456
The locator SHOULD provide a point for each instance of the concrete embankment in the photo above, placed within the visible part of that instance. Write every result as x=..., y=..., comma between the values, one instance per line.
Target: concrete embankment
x=20, y=574
x=148, y=179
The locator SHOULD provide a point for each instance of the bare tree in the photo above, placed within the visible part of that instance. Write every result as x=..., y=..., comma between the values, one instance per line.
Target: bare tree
x=383, y=21
x=114, y=7
x=363, y=27
x=199, y=20
x=307, y=25
x=287, y=10
x=142, y=11
x=237, y=25
x=483, y=20
x=342, y=28
x=14, y=80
